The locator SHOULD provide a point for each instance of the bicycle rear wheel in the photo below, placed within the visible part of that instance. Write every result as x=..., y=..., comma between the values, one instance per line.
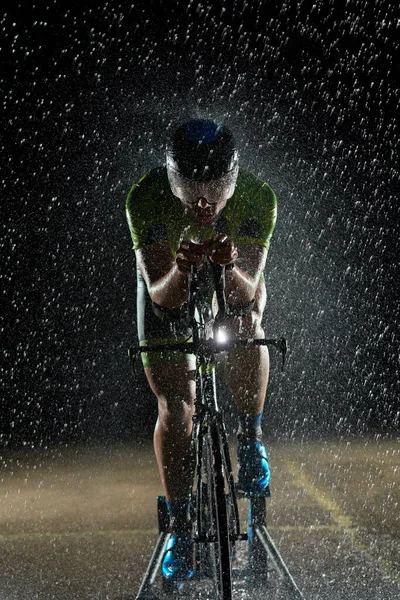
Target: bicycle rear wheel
x=217, y=516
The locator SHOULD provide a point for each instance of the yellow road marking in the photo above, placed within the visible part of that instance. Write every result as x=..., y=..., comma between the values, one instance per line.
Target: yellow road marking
x=342, y=521
x=323, y=500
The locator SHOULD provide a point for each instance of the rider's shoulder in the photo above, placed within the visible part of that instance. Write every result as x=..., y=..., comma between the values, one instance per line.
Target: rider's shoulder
x=252, y=182
x=154, y=182
x=150, y=193
x=253, y=194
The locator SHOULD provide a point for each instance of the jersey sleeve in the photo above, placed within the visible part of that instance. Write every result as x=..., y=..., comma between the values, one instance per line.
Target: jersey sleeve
x=259, y=217
x=144, y=222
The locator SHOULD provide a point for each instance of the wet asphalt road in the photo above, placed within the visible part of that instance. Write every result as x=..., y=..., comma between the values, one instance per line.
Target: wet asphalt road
x=81, y=523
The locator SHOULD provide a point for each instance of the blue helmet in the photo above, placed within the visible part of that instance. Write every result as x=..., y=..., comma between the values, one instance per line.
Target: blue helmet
x=202, y=150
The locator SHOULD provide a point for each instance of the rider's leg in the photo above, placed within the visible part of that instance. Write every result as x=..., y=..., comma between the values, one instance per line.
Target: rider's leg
x=174, y=386
x=172, y=379
x=247, y=369
x=246, y=375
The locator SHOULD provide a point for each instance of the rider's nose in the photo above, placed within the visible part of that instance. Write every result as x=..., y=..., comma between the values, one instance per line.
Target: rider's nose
x=202, y=202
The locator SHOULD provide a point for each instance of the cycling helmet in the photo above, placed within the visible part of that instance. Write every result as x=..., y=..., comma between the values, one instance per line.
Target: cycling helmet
x=202, y=150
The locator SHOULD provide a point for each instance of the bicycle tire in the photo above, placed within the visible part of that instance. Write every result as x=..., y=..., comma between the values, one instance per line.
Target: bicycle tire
x=220, y=547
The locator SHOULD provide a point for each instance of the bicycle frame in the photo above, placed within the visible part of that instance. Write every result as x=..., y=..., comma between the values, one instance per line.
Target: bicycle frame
x=209, y=425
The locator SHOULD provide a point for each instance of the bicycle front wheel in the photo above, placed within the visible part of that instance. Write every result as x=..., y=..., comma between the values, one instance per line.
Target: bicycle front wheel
x=219, y=534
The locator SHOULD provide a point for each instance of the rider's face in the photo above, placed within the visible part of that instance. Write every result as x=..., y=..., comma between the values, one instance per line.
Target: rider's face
x=203, y=200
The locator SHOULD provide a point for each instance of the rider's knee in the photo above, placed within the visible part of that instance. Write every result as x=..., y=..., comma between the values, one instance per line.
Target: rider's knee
x=175, y=389
x=175, y=410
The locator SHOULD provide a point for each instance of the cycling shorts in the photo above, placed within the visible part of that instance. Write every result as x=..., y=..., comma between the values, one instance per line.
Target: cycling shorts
x=165, y=327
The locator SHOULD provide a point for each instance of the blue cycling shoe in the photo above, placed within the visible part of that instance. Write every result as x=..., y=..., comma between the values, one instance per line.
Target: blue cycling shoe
x=177, y=564
x=254, y=473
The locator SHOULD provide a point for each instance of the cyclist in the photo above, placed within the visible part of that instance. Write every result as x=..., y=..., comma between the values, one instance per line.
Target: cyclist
x=199, y=208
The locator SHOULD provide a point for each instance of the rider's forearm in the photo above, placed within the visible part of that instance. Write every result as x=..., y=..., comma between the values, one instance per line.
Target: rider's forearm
x=240, y=287
x=171, y=290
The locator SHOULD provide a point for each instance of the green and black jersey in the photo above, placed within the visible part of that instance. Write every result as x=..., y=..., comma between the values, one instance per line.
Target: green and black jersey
x=155, y=215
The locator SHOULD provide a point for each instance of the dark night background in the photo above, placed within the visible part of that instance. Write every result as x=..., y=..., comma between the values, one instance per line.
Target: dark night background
x=89, y=93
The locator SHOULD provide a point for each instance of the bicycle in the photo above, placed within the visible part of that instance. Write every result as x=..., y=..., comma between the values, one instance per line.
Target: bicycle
x=213, y=494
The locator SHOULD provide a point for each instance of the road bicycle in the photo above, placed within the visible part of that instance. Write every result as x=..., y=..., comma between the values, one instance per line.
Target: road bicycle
x=217, y=526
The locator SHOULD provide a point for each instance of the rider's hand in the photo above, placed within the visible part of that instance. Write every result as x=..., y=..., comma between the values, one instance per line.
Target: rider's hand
x=221, y=250
x=189, y=254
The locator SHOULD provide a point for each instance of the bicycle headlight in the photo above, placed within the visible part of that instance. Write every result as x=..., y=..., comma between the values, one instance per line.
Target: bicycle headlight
x=221, y=336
